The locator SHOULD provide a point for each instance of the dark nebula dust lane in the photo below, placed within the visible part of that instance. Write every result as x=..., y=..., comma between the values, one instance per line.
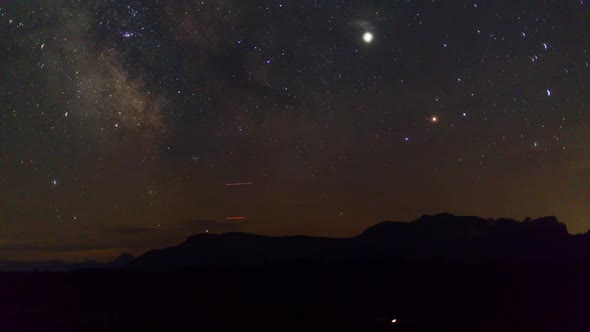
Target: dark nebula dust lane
x=128, y=125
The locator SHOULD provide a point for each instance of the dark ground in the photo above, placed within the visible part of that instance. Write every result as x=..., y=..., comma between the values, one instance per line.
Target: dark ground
x=426, y=296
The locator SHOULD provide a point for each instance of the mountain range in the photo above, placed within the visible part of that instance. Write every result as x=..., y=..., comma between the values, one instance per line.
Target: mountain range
x=442, y=236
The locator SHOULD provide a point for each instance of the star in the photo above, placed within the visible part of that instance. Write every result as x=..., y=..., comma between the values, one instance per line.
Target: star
x=368, y=37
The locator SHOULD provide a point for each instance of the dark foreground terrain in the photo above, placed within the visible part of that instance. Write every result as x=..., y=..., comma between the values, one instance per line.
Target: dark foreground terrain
x=422, y=296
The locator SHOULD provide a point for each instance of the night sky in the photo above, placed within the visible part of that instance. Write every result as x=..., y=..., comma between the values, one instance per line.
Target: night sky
x=123, y=122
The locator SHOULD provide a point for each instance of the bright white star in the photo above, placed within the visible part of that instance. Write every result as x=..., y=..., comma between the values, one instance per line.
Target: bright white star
x=368, y=37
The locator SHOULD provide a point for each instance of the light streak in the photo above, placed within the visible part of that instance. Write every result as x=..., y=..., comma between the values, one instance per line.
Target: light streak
x=235, y=218
x=238, y=184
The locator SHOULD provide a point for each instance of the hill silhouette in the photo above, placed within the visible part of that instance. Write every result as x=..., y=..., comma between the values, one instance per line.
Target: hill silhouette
x=443, y=236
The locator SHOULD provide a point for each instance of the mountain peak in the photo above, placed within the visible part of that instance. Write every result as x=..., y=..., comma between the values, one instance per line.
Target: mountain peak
x=549, y=225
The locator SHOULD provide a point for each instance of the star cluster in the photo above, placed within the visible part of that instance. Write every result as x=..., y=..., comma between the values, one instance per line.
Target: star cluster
x=124, y=121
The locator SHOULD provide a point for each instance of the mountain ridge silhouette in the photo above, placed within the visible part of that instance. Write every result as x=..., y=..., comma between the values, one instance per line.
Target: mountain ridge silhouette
x=439, y=236
x=444, y=236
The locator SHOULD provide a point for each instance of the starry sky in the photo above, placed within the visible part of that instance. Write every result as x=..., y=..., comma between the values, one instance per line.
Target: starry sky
x=127, y=125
